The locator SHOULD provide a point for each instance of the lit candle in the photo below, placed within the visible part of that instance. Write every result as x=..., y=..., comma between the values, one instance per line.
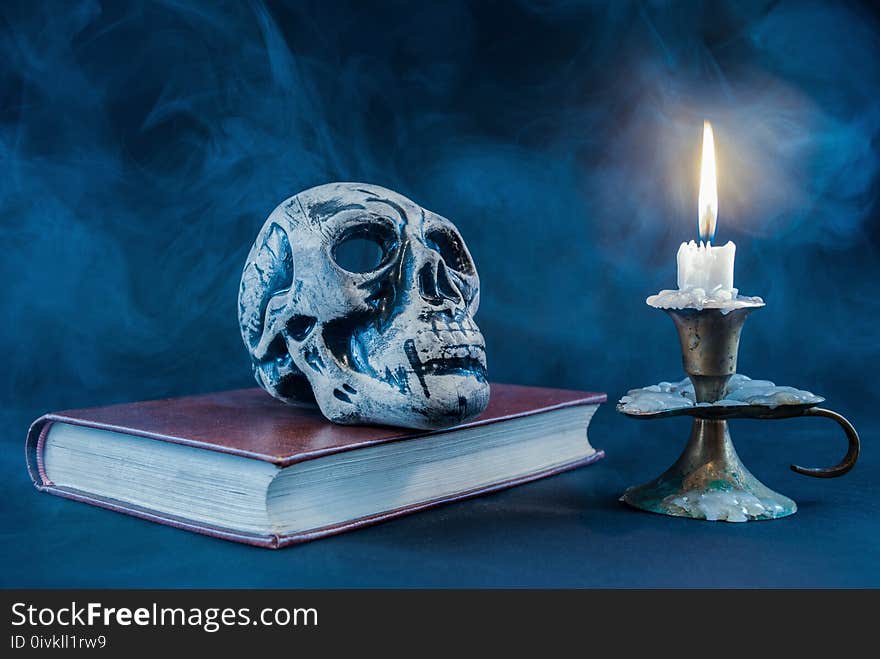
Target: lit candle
x=701, y=265
x=705, y=273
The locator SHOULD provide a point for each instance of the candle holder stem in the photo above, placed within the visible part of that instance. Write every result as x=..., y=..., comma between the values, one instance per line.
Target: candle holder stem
x=709, y=481
x=709, y=341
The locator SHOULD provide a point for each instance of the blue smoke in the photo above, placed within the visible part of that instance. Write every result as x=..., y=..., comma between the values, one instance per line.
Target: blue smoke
x=142, y=144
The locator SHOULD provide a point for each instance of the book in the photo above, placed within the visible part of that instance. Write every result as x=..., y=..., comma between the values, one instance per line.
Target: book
x=242, y=466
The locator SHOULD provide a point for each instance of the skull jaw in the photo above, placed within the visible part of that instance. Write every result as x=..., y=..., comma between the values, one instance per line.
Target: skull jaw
x=406, y=393
x=413, y=373
x=453, y=399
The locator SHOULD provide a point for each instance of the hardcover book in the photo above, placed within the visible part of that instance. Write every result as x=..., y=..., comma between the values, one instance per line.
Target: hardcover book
x=242, y=466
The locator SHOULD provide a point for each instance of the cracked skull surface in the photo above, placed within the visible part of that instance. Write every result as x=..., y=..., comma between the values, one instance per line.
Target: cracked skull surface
x=358, y=299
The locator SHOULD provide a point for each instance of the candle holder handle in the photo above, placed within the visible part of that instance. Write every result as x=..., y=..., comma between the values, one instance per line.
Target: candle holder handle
x=852, y=453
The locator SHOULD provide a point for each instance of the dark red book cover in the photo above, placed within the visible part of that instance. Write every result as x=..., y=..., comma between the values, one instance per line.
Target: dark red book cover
x=251, y=424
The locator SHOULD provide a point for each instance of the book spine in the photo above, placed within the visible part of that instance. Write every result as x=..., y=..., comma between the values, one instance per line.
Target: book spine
x=36, y=439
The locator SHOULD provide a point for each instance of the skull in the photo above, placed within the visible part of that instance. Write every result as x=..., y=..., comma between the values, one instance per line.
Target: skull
x=391, y=341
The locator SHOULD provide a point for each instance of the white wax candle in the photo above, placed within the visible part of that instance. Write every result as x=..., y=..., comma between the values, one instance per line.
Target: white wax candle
x=705, y=273
x=706, y=267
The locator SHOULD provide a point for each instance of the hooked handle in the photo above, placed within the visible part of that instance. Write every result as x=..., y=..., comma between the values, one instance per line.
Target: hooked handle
x=852, y=453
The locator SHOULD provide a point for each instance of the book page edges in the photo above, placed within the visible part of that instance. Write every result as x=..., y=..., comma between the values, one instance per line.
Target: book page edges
x=277, y=541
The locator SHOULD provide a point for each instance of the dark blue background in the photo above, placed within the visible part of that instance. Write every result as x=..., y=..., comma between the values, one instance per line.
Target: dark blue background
x=143, y=144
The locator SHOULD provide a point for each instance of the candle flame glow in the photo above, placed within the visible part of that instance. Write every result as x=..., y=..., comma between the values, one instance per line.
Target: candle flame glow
x=708, y=203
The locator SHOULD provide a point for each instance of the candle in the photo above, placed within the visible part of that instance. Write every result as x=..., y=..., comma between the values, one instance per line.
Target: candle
x=703, y=266
x=705, y=273
x=706, y=267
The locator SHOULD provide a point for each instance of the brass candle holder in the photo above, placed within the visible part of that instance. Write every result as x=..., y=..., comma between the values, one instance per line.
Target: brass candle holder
x=709, y=481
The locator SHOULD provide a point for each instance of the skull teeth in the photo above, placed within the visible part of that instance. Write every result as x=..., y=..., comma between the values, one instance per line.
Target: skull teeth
x=465, y=326
x=450, y=346
x=455, y=359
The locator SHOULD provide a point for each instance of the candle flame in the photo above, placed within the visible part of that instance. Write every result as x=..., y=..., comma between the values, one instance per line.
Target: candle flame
x=708, y=202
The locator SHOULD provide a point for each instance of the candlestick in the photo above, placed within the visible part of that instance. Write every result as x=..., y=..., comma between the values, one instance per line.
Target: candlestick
x=709, y=481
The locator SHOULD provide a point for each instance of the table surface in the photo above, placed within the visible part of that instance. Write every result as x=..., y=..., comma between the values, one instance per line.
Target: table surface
x=565, y=531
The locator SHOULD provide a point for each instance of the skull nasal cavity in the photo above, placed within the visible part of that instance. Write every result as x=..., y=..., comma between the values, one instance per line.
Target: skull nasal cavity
x=435, y=286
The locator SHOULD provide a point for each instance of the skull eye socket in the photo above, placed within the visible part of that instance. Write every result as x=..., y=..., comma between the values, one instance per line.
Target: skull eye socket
x=449, y=245
x=364, y=248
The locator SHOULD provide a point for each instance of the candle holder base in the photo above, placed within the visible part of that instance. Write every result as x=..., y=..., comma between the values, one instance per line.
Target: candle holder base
x=710, y=482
